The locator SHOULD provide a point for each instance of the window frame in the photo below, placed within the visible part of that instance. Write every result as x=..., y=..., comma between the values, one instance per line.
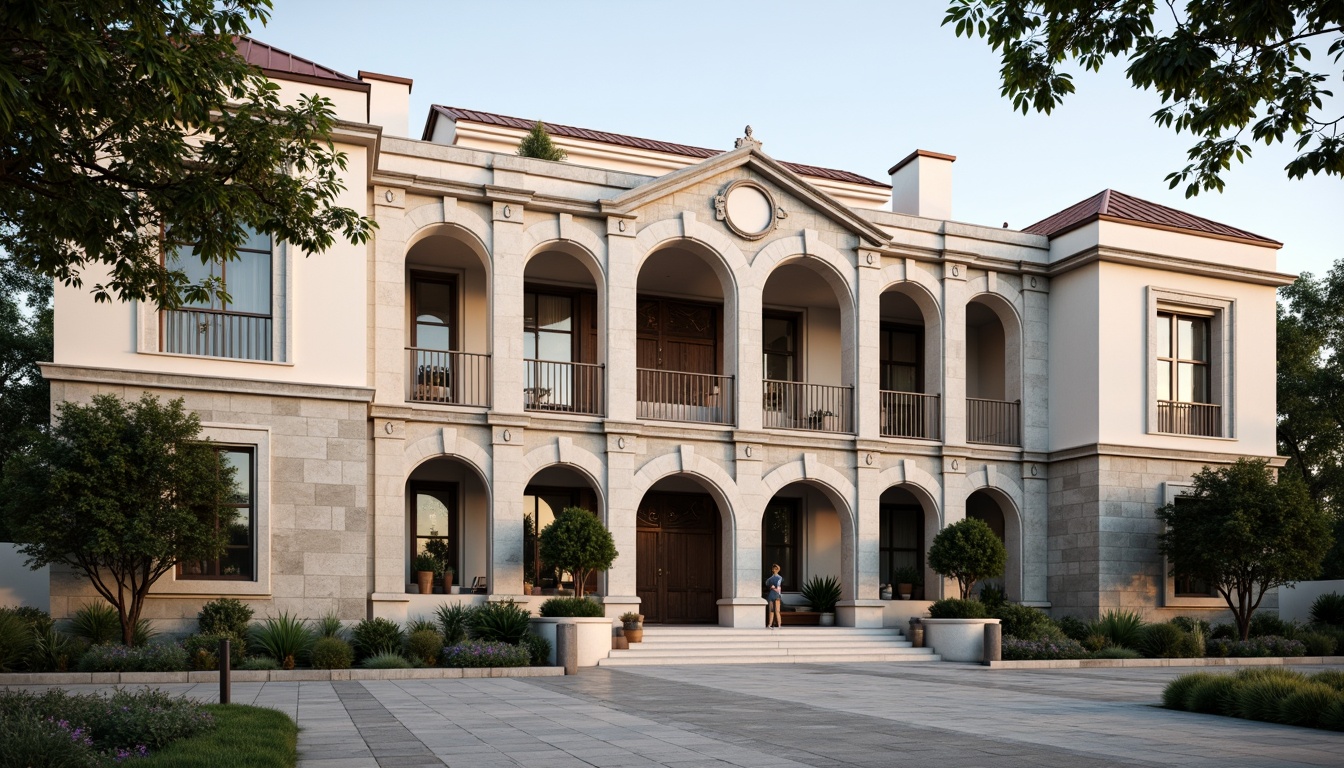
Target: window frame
x=250, y=507
x=797, y=323
x=445, y=492
x=790, y=566
x=443, y=278
x=1221, y=314
x=918, y=331
x=885, y=548
x=1170, y=597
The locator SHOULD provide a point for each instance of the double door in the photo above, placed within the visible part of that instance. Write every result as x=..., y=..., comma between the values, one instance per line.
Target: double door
x=677, y=558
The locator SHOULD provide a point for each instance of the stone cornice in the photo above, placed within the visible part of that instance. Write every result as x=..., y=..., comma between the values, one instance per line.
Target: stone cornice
x=229, y=384
x=1110, y=255
x=1164, y=454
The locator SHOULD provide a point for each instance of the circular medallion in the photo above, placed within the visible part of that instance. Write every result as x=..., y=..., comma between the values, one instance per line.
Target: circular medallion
x=748, y=209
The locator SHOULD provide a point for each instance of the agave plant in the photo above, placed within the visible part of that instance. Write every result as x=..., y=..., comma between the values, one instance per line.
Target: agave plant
x=285, y=638
x=504, y=622
x=329, y=625
x=454, y=621
x=822, y=593
x=97, y=623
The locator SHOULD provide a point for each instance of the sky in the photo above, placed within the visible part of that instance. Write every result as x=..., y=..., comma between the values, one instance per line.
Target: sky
x=849, y=85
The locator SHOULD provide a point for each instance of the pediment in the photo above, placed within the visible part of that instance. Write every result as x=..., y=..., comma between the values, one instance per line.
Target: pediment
x=759, y=165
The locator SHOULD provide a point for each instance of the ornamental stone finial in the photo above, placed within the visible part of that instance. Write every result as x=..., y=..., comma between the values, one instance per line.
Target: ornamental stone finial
x=747, y=141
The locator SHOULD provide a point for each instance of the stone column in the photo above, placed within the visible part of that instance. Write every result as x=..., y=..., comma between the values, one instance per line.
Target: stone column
x=389, y=296
x=622, y=506
x=1035, y=533
x=955, y=490
x=622, y=300
x=862, y=608
x=389, y=549
x=506, y=365
x=509, y=480
x=742, y=604
x=868, y=388
x=1035, y=364
x=954, y=356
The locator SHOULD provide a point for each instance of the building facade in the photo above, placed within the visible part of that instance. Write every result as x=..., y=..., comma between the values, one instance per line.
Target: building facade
x=733, y=361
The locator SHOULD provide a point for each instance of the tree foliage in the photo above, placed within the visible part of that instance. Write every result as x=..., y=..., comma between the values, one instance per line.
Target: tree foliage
x=968, y=551
x=537, y=143
x=576, y=541
x=122, y=492
x=1244, y=534
x=1230, y=72
x=125, y=119
x=25, y=400
x=1311, y=395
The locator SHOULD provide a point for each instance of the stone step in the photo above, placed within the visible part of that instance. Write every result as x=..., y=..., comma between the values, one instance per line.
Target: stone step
x=786, y=651
x=911, y=655
x=729, y=632
x=760, y=643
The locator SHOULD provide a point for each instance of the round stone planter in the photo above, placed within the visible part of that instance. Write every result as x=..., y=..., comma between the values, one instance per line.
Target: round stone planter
x=594, y=636
x=957, y=639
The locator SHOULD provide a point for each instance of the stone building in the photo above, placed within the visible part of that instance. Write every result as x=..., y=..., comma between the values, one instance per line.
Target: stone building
x=732, y=360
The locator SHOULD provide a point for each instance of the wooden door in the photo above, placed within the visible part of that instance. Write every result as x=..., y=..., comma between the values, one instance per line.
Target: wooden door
x=677, y=558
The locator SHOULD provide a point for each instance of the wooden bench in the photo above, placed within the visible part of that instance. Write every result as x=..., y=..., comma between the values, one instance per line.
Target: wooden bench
x=801, y=618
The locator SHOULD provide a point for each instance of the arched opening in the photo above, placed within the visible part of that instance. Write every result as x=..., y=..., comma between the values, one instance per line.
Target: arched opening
x=680, y=537
x=684, y=337
x=548, y=493
x=907, y=523
x=999, y=514
x=448, y=516
x=805, y=319
x=993, y=373
x=448, y=320
x=804, y=532
x=910, y=352
x=563, y=328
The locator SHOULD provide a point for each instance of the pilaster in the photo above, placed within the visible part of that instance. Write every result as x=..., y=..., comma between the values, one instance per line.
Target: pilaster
x=388, y=529
x=509, y=481
x=389, y=297
x=868, y=387
x=1036, y=363
x=622, y=507
x=867, y=524
x=1035, y=533
x=622, y=320
x=954, y=355
x=506, y=374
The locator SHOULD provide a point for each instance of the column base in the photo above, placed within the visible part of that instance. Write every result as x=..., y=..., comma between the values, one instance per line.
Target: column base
x=859, y=613
x=615, y=605
x=743, y=612
x=389, y=605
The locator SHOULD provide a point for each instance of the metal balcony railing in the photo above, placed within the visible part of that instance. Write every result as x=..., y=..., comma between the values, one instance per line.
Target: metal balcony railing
x=563, y=387
x=814, y=407
x=910, y=414
x=995, y=422
x=702, y=398
x=215, y=334
x=448, y=378
x=1198, y=419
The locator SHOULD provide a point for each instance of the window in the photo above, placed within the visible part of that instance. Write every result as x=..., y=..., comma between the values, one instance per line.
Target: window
x=1185, y=585
x=239, y=556
x=781, y=540
x=1180, y=590
x=1190, y=345
x=540, y=506
x=780, y=343
x=902, y=356
x=434, y=522
x=434, y=305
x=239, y=328
x=901, y=542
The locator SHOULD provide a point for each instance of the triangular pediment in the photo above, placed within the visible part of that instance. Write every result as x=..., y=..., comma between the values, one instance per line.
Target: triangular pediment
x=760, y=164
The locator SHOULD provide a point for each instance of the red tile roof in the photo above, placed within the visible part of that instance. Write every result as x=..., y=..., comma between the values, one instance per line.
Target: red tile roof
x=272, y=60
x=1117, y=206
x=490, y=118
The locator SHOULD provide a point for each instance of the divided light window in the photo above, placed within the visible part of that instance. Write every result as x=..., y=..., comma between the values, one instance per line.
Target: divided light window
x=901, y=540
x=1182, y=358
x=239, y=328
x=780, y=342
x=240, y=553
x=902, y=358
x=782, y=539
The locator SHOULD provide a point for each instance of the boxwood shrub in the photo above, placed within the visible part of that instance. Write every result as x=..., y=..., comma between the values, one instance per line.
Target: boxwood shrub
x=955, y=608
x=571, y=606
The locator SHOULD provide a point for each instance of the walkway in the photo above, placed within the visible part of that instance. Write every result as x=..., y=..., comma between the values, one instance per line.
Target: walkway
x=786, y=716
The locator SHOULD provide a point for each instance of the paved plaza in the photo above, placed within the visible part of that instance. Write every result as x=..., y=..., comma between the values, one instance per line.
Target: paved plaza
x=783, y=716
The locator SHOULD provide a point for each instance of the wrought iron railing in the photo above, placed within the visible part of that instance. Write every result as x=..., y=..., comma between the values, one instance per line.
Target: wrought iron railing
x=563, y=387
x=995, y=422
x=815, y=407
x=448, y=378
x=216, y=334
x=910, y=414
x=704, y=398
x=1198, y=419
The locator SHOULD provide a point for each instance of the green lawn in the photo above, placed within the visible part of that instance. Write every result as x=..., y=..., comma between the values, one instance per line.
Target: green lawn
x=254, y=737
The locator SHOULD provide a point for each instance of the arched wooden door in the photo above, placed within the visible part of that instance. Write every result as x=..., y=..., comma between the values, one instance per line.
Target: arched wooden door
x=677, y=558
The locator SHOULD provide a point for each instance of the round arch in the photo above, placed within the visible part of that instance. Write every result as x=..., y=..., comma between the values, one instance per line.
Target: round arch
x=1003, y=499
x=1006, y=310
x=837, y=490
x=919, y=292
x=563, y=453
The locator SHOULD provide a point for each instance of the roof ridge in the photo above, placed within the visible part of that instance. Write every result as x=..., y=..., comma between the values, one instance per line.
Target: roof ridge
x=1116, y=205
x=1105, y=206
x=252, y=40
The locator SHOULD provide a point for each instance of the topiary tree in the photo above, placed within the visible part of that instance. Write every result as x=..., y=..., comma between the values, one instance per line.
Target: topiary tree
x=537, y=143
x=122, y=492
x=579, y=543
x=1244, y=534
x=968, y=551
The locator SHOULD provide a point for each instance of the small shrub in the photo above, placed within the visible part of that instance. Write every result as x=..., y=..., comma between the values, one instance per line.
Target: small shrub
x=629, y=617
x=27, y=740
x=954, y=608
x=1073, y=627
x=1224, y=632
x=1123, y=628
x=1116, y=652
x=570, y=606
x=1331, y=677
x=1306, y=706
x=1267, y=625
x=386, y=661
x=105, y=729
x=1097, y=642
x=1165, y=641
x=329, y=625
x=1333, y=718
x=822, y=593
x=1022, y=621
x=993, y=596
x=1328, y=609
x=97, y=623
x=285, y=638
x=1038, y=650
x=425, y=645
x=224, y=615
x=1177, y=693
x=156, y=657
x=332, y=653
x=259, y=663
x=1317, y=643
x=503, y=622
x=421, y=624
x=1260, y=699
x=478, y=653
x=455, y=621
x=203, y=651
x=1257, y=647
x=377, y=637
x=143, y=633
x=1188, y=624
x=1213, y=696
x=16, y=642
x=55, y=651
x=538, y=650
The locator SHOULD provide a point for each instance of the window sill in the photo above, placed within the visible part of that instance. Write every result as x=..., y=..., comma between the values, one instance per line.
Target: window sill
x=1195, y=437
x=220, y=359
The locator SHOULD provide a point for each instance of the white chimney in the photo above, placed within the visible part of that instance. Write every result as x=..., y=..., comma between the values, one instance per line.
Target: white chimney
x=921, y=185
x=389, y=102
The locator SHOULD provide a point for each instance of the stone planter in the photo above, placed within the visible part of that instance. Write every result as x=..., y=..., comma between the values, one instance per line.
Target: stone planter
x=957, y=639
x=594, y=636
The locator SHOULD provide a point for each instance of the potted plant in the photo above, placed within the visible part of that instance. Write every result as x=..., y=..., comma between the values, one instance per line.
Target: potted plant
x=884, y=591
x=817, y=419
x=968, y=551
x=632, y=626
x=906, y=579
x=822, y=593
x=424, y=566
x=449, y=588
x=577, y=542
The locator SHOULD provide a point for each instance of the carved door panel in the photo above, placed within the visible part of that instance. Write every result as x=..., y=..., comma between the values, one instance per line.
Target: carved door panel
x=646, y=576
x=677, y=556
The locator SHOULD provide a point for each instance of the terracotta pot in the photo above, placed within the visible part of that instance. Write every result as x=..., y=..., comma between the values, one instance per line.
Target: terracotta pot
x=634, y=635
x=426, y=581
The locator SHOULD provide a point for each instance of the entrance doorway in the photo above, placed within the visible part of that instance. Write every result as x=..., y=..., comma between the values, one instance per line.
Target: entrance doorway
x=677, y=558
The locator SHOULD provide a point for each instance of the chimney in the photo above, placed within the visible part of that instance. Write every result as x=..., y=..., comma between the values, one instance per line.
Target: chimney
x=389, y=102
x=921, y=185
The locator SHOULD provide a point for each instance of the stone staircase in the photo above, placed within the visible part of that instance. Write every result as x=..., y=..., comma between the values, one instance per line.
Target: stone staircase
x=790, y=645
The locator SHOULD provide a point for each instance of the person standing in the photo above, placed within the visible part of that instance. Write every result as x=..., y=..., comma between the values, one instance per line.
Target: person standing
x=774, y=598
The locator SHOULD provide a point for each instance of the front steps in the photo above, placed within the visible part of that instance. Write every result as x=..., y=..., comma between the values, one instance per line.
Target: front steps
x=790, y=645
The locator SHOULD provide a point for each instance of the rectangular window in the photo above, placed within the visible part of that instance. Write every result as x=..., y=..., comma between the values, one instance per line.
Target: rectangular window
x=1185, y=585
x=901, y=540
x=780, y=343
x=238, y=328
x=902, y=348
x=781, y=541
x=1185, y=399
x=540, y=506
x=434, y=306
x=237, y=562
x=434, y=522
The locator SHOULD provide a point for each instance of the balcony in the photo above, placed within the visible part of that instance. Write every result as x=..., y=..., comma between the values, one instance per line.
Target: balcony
x=993, y=422
x=448, y=378
x=699, y=398
x=559, y=387
x=1195, y=419
x=813, y=407
x=910, y=414
x=216, y=334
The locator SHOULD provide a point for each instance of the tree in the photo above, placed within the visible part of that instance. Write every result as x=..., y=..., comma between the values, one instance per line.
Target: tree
x=537, y=143
x=576, y=541
x=968, y=551
x=122, y=492
x=1311, y=395
x=1222, y=68
x=1244, y=534
x=25, y=400
x=126, y=119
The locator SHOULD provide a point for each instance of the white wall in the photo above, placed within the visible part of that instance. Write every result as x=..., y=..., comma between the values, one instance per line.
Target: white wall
x=18, y=584
x=1295, y=603
x=1075, y=346
x=823, y=347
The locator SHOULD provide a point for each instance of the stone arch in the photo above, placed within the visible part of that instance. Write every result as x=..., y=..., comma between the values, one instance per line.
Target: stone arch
x=1008, y=495
x=920, y=483
x=576, y=240
x=659, y=234
x=420, y=222
x=838, y=490
x=562, y=452
x=446, y=442
x=923, y=291
x=1005, y=302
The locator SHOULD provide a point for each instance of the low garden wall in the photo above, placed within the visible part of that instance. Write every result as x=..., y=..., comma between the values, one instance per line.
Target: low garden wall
x=271, y=675
x=1274, y=661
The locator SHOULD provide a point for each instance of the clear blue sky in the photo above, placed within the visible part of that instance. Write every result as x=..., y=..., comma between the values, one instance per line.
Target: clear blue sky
x=855, y=86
